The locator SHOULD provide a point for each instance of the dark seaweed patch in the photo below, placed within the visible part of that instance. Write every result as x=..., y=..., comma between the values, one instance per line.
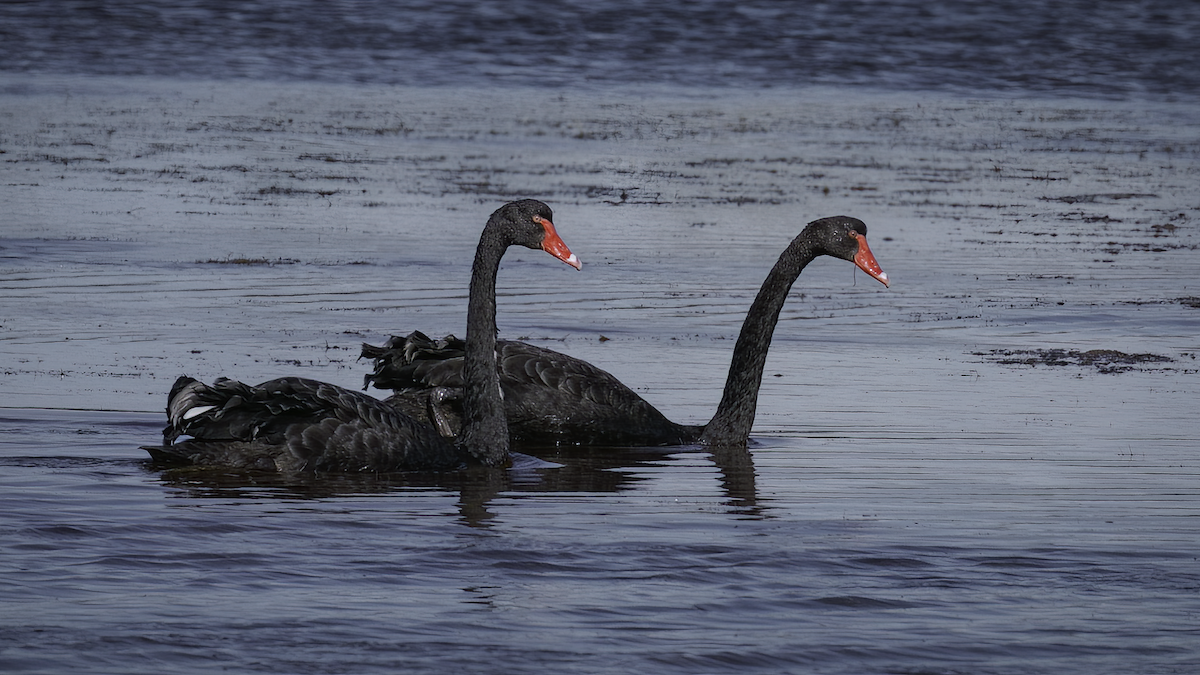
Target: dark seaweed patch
x=249, y=261
x=1104, y=360
x=1099, y=198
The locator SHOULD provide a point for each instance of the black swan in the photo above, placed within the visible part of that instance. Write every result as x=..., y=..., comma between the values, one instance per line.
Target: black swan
x=554, y=399
x=295, y=424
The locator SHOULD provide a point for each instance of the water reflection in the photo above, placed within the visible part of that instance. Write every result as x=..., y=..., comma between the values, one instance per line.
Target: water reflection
x=559, y=470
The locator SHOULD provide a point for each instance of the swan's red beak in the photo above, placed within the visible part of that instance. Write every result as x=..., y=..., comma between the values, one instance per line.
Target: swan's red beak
x=866, y=261
x=554, y=245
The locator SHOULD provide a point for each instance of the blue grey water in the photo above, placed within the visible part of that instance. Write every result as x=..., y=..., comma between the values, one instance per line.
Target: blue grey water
x=990, y=467
x=1066, y=47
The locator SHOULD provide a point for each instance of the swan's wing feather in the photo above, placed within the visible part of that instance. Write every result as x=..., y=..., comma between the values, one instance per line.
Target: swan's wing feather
x=415, y=361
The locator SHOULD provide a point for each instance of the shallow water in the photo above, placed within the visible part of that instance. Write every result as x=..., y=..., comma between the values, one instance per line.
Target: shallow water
x=913, y=503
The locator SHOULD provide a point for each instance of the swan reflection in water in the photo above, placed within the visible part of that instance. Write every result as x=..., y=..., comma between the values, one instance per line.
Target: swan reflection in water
x=578, y=470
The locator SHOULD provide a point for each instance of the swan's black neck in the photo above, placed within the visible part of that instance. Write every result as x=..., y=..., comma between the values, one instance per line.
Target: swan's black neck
x=485, y=429
x=731, y=424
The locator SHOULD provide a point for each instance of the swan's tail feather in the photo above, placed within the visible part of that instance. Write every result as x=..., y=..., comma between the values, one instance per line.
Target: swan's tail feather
x=198, y=409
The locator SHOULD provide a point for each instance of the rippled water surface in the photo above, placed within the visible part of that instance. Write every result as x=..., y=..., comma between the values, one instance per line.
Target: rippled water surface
x=989, y=467
x=1066, y=47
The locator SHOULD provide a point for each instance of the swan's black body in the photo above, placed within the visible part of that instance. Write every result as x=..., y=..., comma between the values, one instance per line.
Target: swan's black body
x=549, y=397
x=295, y=424
x=552, y=398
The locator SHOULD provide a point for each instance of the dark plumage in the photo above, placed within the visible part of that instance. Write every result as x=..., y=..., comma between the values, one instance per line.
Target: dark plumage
x=296, y=424
x=549, y=397
x=552, y=398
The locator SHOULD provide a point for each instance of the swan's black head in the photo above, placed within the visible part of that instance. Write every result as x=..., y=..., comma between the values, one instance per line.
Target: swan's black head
x=846, y=238
x=530, y=223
